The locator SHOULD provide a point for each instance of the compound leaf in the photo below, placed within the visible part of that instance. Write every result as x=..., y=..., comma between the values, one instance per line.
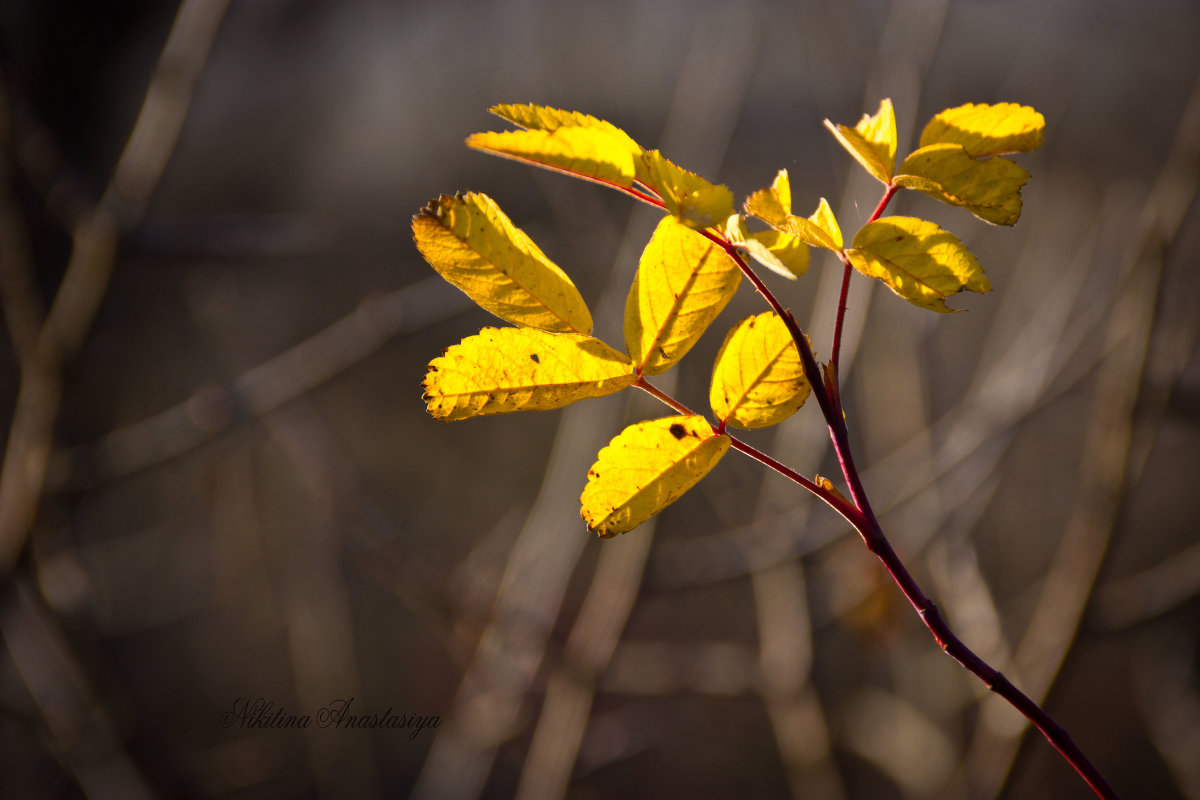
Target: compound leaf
x=987, y=130
x=772, y=205
x=568, y=141
x=758, y=379
x=473, y=245
x=682, y=283
x=645, y=468
x=917, y=260
x=872, y=141
x=819, y=230
x=521, y=369
x=990, y=188
x=696, y=202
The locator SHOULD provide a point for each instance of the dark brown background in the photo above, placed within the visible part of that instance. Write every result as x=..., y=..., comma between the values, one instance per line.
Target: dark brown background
x=246, y=499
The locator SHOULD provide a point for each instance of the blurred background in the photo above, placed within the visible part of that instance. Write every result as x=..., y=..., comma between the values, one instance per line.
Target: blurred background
x=220, y=485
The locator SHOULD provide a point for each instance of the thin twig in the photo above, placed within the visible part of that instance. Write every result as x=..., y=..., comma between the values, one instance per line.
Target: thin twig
x=22, y=475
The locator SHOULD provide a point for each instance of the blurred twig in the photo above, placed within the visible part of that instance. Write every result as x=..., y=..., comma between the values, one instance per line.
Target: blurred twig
x=1067, y=586
x=95, y=237
x=260, y=389
x=84, y=736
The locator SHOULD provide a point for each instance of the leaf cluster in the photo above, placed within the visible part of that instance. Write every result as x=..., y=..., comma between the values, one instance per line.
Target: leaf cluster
x=687, y=274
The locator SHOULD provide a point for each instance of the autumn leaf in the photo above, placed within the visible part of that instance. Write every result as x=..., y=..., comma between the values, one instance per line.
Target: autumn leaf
x=872, y=141
x=772, y=205
x=917, y=260
x=989, y=188
x=682, y=283
x=521, y=369
x=987, y=130
x=645, y=468
x=758, y=379
x=779, y=252
x=567, y=141
x=473, y=245
x=820, y=230
x=693, y=200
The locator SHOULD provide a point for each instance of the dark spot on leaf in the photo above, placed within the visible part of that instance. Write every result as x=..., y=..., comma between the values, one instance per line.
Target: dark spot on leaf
x=535, y=358
x=678, y=431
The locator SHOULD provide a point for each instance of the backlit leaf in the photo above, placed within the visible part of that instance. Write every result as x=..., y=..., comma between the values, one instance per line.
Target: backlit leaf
x=987, y=130
x=521, y=369
x=758, y=379
x=473, y=245
x=772, y=205
x=682, y=283
x=696, y=202
x=565, y=140
x=990, y=189
x=872, y=141
x=918, y=260
x=819, y=230
x=782, y=254
x=645, y=468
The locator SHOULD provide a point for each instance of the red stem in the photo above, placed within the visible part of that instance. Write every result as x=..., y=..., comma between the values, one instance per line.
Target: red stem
x=864, y=521
x=862, y=517
x=847, y=271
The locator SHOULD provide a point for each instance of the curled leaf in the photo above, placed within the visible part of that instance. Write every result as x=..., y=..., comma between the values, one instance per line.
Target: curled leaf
x=772, y=205
x=474, y=245
x=819, y=230
x=682, y=283
x=872, y=141
x=758, y=379
x=917, y=260
x=779, y=252
x=645, y=468
x=521, y=369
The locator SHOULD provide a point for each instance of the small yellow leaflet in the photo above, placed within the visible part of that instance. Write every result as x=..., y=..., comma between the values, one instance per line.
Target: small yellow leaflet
x=521, y=369
x=917, y=260
x=473, y=245
x=779, y=252
x=758, y=379
x=696, y=202
x=772, y=205
x=645, y=468
x=987, y=130
x=819, y=230
x=872, y=141
x=682, y=283
x=990, y=189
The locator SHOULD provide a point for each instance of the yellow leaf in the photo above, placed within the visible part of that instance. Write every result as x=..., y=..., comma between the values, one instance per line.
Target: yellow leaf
x=544, y=118
x=473, y=245
x=772, y=205
x=645, y=468
x=782, y=254
x=521, y=369
x=758, y=379
x=917, y=260
x=819, y=230
x=696, y=202
x=583, y=152
x=987, y=130
x=682, y=283
x=872, y=141
x=990, y=189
